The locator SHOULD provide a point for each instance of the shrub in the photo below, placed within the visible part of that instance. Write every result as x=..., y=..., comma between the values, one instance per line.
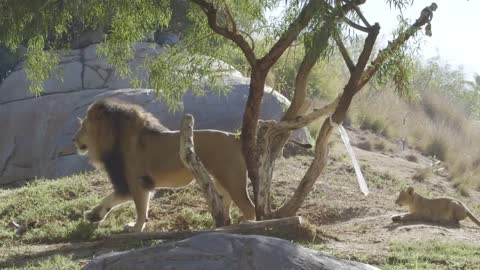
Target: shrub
x=411, y=158
x=422, y=174
x=375, y=125
x=366, y=145
x=437, y=147
x=379, y=146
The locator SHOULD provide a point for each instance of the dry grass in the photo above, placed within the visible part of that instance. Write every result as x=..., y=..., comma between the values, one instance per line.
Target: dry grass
x=381, y=112
x=436, y=125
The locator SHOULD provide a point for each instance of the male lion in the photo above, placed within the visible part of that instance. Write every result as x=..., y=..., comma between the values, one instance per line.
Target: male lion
x=139, y=154
x=439, y=210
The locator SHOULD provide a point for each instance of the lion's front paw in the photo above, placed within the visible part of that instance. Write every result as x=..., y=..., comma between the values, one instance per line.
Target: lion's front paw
x=134, y=227
x=94, y=215
x=397, y=218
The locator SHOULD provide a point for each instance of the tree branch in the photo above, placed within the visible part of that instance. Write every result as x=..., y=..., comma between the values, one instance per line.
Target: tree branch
x=344, y=52
x=211, y=13
x=365, y=54
x=230, y=18
x=356, y=26
x=352, y=85
x=289, y=226
x=249, y=37
x=360, y=14
x=301, y=121
x=311, y=57
x=290, y=34
x=394, y=45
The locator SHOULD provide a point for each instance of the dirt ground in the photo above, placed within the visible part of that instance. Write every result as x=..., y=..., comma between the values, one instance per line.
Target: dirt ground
x=361, y=225
x=352, y=225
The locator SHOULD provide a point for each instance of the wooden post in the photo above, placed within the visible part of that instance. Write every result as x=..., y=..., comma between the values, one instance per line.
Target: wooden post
x=195, y=165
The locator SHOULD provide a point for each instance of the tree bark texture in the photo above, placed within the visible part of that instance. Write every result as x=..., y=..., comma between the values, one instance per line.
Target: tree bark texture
x=249, y=127
x=195, y=165
x=270, y=133
x=316, y=167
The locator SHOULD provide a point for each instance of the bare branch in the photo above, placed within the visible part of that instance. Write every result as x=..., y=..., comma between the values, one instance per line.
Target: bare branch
x=394, y=45
x=344, y=52
x=360, y=14
x=211, y=12
x=279, y=227
x=365, y=54
x=291, y=33
x=230, y=17
x=301, y=121
x=251, y=39
x=190, y=159
x=352, y=86
x=356, y=26
x=311, y=56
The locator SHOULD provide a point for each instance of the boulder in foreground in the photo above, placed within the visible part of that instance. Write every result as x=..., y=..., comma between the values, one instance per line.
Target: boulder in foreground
x=223, y=251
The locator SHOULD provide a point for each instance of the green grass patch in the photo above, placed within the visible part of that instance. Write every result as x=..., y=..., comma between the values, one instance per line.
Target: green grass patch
x=432, y=255
x=418, y=255
x=56, y=262
x=50, y=211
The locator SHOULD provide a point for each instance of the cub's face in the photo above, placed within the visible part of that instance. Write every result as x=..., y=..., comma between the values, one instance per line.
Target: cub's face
x=405, y=197
x=81, y=138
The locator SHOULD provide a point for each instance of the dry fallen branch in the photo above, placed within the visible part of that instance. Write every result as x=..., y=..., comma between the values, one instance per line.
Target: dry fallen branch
x=289, y=228
x=195, y=165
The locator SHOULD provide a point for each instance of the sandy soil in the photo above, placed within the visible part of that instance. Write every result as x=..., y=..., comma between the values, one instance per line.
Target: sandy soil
x=361, y=225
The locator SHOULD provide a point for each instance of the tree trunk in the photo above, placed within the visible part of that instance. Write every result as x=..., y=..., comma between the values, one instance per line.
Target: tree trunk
x=271, y=140
x=267, y=139
x=312, y=174
x=195, y=165
x=321, y=156
x=249, y=128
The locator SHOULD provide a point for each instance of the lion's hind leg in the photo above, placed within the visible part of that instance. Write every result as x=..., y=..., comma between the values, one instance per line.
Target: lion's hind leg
x=100, y=211
x=457, y=212
x=406, y=218
x=227, y=202
x=237, y=188
x=141, y=198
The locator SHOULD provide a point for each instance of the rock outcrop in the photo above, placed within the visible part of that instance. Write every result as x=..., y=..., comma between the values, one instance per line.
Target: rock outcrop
x=224, y=251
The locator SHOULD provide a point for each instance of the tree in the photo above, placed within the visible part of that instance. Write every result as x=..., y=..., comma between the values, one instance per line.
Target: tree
x=323, y=19
x=220, y=29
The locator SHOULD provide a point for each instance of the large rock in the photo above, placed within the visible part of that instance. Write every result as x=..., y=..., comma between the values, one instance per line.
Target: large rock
x=36, y=132
x=224, y=251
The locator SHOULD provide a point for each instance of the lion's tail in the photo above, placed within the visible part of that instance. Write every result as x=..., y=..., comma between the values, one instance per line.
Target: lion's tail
x=473, y=218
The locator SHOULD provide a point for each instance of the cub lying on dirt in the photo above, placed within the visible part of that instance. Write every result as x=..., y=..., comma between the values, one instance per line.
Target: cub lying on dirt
x=439, y=210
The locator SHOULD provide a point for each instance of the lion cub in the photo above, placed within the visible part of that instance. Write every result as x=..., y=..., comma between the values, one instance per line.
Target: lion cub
x=439, y=210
